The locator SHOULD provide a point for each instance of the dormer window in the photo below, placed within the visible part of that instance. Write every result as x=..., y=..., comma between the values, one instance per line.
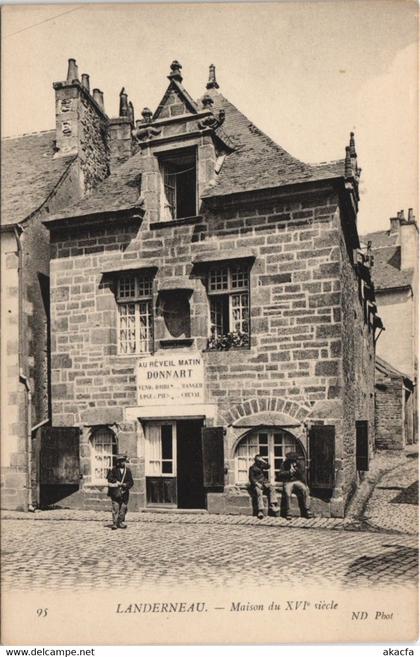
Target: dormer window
x=178, y=184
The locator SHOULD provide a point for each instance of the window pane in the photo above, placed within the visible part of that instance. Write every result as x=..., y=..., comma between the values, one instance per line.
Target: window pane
x=126, y=287
x=166, y=437
x=218, y=279
x=102, y=445
x=240, y=312
x=219, y=315
x=127, y=328
x=166, y=467
x=144, y=287
x=145, y=326
x=239, y=276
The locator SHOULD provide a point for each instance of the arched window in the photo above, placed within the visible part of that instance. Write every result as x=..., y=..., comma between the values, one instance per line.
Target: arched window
x=272, y=444
x=103, y=447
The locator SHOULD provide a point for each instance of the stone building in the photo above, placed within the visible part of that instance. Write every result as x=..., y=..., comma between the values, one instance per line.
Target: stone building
x=41, y=173
x=209, y=299
x=395, y=276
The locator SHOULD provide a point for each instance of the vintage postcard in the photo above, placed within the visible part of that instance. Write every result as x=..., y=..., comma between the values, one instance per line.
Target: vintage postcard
x=209, y=307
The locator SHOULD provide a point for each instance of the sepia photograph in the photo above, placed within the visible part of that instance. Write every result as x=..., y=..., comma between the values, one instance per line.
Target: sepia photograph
x=209, y=323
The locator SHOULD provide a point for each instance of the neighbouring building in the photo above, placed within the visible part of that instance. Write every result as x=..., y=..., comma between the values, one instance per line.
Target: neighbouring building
x=41, y=173
x=395, y=277
x=209, y=300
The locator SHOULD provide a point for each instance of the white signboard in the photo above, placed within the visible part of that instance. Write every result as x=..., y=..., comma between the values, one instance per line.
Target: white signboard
x=173, y=378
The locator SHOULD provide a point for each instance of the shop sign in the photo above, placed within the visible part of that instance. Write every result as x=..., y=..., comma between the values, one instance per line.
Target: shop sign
x=170, y=379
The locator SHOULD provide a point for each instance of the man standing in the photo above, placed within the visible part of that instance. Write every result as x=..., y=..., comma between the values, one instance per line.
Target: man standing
x=294, y=477
x=259, y=485
x=120, y=480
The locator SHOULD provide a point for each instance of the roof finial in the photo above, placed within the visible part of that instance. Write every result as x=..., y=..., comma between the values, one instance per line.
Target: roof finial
x=131, y=112
x=175, y=73
x=123, y=103
x=212, y=83
x=352, y=145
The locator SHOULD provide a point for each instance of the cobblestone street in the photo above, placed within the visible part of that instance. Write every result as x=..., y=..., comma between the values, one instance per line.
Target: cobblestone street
x=84, y=554
x=67, y=549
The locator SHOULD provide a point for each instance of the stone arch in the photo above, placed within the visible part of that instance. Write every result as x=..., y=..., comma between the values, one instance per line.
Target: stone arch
x=293, y=431
x=265, y=405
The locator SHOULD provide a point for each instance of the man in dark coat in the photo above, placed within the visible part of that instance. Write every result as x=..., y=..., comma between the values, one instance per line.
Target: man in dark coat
x=259, y=485
x=120, y=480
x=294, y=477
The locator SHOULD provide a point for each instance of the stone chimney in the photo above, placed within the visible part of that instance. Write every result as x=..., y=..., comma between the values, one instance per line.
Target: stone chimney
x=121, y=142
x=409, y=241
x=82, y=127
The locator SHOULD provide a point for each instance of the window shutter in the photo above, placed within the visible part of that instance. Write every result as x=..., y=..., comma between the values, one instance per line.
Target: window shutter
x=322, y=456
x=59, y=456
x=212, y=439
x=362, y=446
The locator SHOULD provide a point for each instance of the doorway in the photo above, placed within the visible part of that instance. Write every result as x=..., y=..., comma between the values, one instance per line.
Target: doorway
x=190, y=487
x=174, y=464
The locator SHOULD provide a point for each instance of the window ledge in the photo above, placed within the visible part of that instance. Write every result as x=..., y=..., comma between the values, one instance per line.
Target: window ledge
x=169, y=343
x=176, y=222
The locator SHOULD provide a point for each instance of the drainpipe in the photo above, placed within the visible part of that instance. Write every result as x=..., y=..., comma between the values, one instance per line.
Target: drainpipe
x=18, y=230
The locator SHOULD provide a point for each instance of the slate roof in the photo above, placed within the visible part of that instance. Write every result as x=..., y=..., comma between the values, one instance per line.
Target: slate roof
x=28, y=174
x=386, y=368
x=256, y=163
x=387, y=272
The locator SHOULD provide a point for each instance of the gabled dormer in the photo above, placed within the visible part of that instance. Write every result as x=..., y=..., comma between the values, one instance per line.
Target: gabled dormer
x=182, y=145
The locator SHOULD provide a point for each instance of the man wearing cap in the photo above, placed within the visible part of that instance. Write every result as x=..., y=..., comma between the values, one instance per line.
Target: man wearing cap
x=259, y=485
x=120, y=480
x=294, y=476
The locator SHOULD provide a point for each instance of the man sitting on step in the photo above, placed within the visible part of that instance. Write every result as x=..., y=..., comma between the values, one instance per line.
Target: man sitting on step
x=293, y=475
x=260, y=486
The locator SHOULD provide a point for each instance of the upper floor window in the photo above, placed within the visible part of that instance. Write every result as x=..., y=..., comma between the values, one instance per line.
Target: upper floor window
x=135, y=314
x=179, y=185
x=228, y=290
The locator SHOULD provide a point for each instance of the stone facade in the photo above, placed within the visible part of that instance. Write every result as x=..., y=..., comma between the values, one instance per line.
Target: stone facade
x=310, y=361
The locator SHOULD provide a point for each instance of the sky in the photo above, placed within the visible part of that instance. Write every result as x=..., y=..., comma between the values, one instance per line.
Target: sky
x=306, y=73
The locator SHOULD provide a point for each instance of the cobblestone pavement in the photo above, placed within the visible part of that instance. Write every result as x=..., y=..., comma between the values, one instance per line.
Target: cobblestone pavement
x=77, y=554
x=393, y=505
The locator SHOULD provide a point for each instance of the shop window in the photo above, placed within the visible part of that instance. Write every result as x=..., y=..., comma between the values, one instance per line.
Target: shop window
x=228, y=291
x=161, y=450
x=103, y=448
x=135, y=315
x=272, y=444
x=178, y=185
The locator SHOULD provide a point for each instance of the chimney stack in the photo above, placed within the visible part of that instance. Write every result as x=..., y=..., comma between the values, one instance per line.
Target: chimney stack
x=85, y=82
x=98, y=96
x=76, y=108
x=72, y=71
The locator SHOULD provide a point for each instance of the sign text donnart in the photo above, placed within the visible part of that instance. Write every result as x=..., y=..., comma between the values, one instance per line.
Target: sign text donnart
x=169, y=379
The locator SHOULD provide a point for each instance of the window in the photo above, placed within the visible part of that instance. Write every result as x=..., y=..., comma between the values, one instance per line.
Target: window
x=272, y=444
x=135, y=316
x=161, y=450
x=228, y=290
x=179, y=185
x=103, y=448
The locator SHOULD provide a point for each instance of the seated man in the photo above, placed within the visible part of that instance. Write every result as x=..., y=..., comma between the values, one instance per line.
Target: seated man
x=294, y=477
x=259, y=485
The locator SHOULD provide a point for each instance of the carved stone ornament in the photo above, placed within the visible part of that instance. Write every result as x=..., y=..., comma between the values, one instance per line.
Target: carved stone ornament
x=146, y=132
x=66, y=105
x=66, y=128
